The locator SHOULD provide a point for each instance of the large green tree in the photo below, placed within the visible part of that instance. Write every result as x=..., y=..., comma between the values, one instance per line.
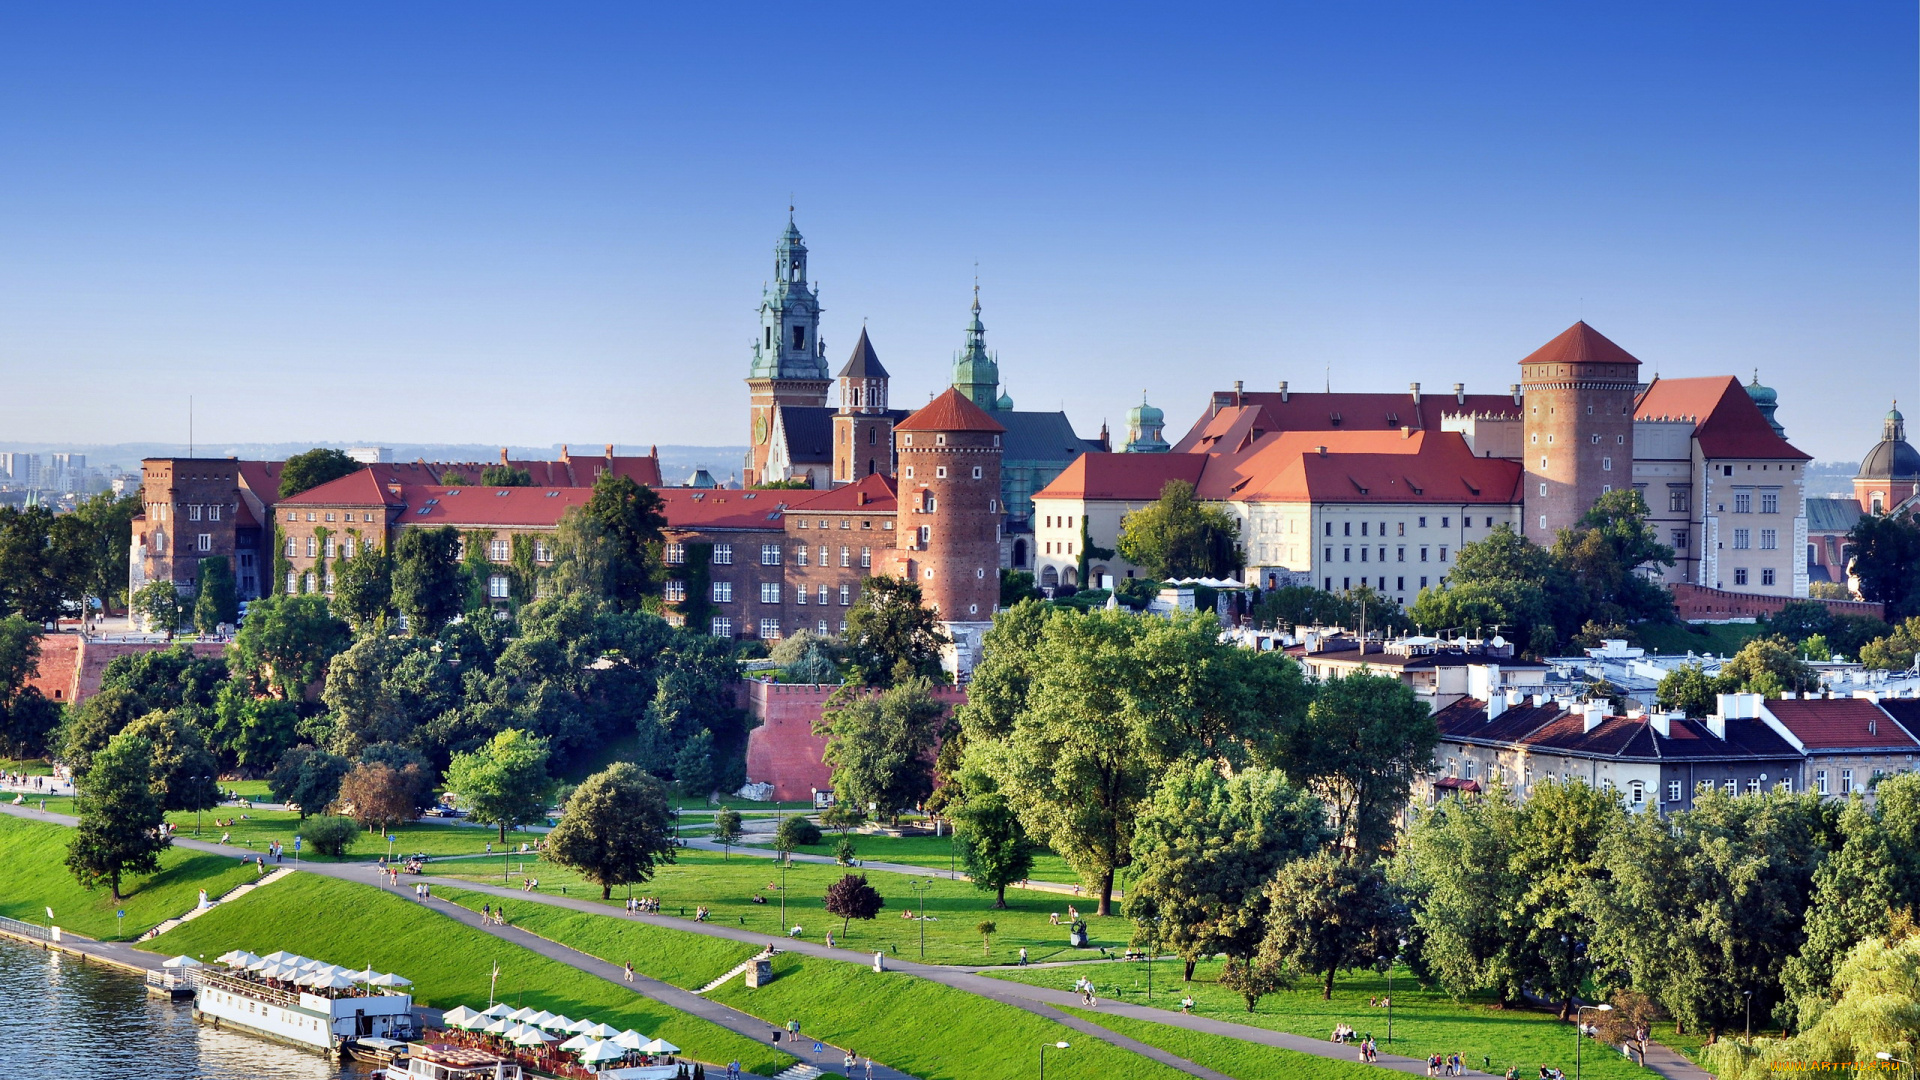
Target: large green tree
x=1204, y=849
x=215, y=601
x=505, y=782
x=162, y=606
x=1884, y=555
x=363, y=588
x=1895, y=650
x=1455, y=865
x=1556, y=862
x=427, y=585
x=1609, y=553
x=1328, y=915
x=994, y=846
x=881, y=746
x=303, y=472
x=250, y=731
x=93, y=543
x=26, y=718
x=1872, y=1007
x=34, y=574
x=891, y=634
x=1504, y=580
x=287, y=643
x=616, y=828
x=185, y=773
x=308, y=778
x=629, y=519
x=120, y=817
x=1367, y=737
x=1180, y=537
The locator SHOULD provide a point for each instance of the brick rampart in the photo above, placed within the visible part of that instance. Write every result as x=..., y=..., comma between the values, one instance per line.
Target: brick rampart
x=1697, y=603
x=783, y=750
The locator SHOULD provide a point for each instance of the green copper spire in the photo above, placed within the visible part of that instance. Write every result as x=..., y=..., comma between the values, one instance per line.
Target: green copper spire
x=789, y=345
x=976, y=373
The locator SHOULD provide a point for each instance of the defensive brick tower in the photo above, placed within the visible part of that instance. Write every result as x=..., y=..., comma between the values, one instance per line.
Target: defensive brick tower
x=950, y=513
x=1578, y=391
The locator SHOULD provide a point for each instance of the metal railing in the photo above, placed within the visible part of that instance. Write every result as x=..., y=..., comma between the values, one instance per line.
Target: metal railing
x=25, y=929
x=243, y=987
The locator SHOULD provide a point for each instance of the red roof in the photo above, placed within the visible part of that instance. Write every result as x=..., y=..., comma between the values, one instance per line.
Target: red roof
x=1726, y=421
x=1839, y=723
x=724, y=508
x=1581, y=344
x=1139, y=477
x=1234, y=426
x=361, y=488
x=875, y=494
x=951, y=411
x=498, y=507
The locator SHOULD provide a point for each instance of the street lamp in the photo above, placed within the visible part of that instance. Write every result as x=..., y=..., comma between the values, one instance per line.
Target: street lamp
x=1748, y=994
x=1390, y=964
x=920, y=888
x=1043, y=1056
x=1579, y=1034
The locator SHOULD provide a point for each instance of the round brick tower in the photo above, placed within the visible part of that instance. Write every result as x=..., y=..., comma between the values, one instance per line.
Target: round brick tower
x=950, y=512
x=1577, y=438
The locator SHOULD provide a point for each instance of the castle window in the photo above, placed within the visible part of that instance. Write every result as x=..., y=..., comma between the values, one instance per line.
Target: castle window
x=1606, y=464
x=1363, y=528
x=291, y=549
x=309, y=515
x=846, y=556
x=1446, y=522
x=1769, y=502
x=193, y=512
x=674, y=591
x=866, y=557
x=939, y=440
x=940, y=472
x=1543, y=464
x=1346, y=528
x=1443, y=553
x=1423, y=522
x=769, y=554
x=1743, y=502
x=909, y=438
x=328, y=548
x=800, y=555
x=873, y=436
x=499, y=550
x=803, y=524
x=723, y=627
x=676, y=553
x=1549, y=439
x=799, y=337
x=498, y=586
x=846, y=592
x=312, y=547
x=826, y=557
x=1742, y=538
x=723, y=592
x=1739, y=575
x=822, y=593
x=1769, y=539
x=1677, y=500
x=976, y=472
x=1679, y=539
x=1766, y=575
x=205, y=541
x=1423, y=554
x=909, y=472
x=347, y=547
x=799, y=594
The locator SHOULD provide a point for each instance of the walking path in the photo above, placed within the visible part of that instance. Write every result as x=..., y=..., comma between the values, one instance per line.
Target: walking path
x=1038, y=1000
x=1064, y=889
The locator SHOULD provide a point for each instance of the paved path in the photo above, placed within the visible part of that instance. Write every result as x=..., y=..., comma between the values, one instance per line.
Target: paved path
x=890, y=867
x=1039, y=1000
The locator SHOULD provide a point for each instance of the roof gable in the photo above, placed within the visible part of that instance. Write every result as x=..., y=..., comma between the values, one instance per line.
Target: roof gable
x=1726, y=422
x=950, y=411
x=1581, y=344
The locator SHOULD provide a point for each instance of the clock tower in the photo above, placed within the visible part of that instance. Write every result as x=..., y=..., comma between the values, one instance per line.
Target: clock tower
x=789, y=361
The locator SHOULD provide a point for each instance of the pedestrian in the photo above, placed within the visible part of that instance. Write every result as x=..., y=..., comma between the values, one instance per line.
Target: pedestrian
x=1023, y=956
x=848, y=1061
x=629, y=971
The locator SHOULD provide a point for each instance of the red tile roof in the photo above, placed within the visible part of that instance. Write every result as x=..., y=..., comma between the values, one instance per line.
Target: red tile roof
x=481, y=507
x=1726, y=421
x=361, y=488
x=951, y=411
x=1233, y=427
x=1840, y=723
x=723, y=508
x=1137, y=477
x=874, y=494
x=1581, y=344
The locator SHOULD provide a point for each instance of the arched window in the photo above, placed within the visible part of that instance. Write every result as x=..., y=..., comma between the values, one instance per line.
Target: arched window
x=1049, y=577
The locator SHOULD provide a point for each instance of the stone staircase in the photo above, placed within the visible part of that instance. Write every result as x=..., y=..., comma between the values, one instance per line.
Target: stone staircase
x=740, y=969
x=802, y=1071
x=232, y=894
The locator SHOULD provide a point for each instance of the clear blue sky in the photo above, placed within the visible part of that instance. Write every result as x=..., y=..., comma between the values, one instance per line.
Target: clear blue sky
x=534, y=223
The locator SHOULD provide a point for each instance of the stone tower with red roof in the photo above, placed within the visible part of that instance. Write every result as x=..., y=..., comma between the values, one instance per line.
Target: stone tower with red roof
x=1577, y=433
x=950, y=514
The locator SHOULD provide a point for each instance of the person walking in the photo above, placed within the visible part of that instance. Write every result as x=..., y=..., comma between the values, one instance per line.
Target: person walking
x=629, y=971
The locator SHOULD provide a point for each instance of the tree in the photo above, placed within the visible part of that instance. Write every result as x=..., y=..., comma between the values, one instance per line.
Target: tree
x=1455, y=868
x=987, y=928
x=376, y=794
x=33, y=574
x=304, y=472
x=1180, y=537
x=162, y=606
x=1896, y=650
x=693, y=766
x=215, y=601
x=795, y=833
x=505, y=782
x=1608, y=553
x=891, y=634
x=1256, y=978
x=90, y=725
x=427, y=585
x=616, y=827
x=1690, y=689
x=1557, y=862
x=330, y=835
x=726, y=831
x=26, y=718
x=629, y=519
x=1205, y=848
x=504, y=475
x=1077, y=717
x=1328, y=916
x=94, y=539
x=307, y=778
x=852, y=898
x=185, y=772
x=1883, y=553
x=363, y=588
x=250, y=731
x=383, y=689
x=994, y=847
x=881, y=747
x=1365, y=740
x=1767, y=665
x=1873, y=1007
x=288, y=641
x=120, y=817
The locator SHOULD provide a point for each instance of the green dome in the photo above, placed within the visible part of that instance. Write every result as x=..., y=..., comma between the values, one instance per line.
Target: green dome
x=1762, y=395
x=1005, y=404
x=1145, y=415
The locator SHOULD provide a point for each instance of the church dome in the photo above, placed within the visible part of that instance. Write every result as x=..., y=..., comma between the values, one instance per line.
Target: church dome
x=1005, y=404
x=1762, y=396
x=1145, y=415
x=1893, y=458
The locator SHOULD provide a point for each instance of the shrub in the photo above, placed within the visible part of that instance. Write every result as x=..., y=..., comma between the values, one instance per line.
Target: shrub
x=796, y=832
x=331, y=835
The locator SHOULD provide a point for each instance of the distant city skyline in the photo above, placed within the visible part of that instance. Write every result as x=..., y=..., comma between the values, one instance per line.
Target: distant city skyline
x=520, y=225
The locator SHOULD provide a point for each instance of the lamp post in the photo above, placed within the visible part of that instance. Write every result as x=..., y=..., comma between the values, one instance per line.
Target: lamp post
x=786, y=859
x=1043, y=1056
x=920, y=889
x=1390, y=964
x=1884, y=1056
x=1748, y=994
x=1580, y=1035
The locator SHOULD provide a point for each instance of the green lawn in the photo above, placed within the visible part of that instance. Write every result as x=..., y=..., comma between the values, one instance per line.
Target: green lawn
x=259, y=827
x=36, y=878
x=1222, y=1053
x=354, y=925
x=953, y=908
x=1723, y=639
x=1424, y=1021
x=688, y=961
x=28, y=766
x=931, y=851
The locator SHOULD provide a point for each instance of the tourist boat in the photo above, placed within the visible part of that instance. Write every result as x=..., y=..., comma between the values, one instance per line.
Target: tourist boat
x=438, y=1061
x=293, y=1000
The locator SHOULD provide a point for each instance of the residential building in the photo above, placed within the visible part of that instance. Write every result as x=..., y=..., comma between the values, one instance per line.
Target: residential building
x=1439, y=672
x=1847, y=743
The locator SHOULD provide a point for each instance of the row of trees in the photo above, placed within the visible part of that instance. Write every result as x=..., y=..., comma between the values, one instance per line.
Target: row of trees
x=50, y=564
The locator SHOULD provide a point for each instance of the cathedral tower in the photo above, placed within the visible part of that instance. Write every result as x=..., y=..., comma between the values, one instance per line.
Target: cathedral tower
x=976, y=374
x=1577, y=431
x=863, y=428
x=789, y=360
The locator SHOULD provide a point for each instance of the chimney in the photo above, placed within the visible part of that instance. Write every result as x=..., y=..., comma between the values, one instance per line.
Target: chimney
x=1661, y=723
x=1239, y=387
x=1496, y=704
x=860, y=498
x=1459, y=393
x=503, y=455
x=609, y=453
x=1322, y=449
x=563, y=452
x=1596, y=712
x=1415, y=387
x=1483, y=684
x=1515, y=389
x=1284, y=395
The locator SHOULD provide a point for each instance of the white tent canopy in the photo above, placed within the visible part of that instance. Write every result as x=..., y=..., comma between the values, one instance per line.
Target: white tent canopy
x=578, y=1042
x=390, y=980
x=237, y=958
x=329, y=981
x=539, y=1019
x=557, y=1023
x=630, y=1039
x=521, y=1015
x=582, y=1027
x=500, y=1026
x=603, y=1031
x=283, y=957
x=602, y=1051
x=181, y=961
x=660, y=1046
x=498, y=1010
x=531, y=1036
x=461, y=1017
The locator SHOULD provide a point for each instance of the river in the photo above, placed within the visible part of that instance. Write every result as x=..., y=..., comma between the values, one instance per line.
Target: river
x=63, y=1019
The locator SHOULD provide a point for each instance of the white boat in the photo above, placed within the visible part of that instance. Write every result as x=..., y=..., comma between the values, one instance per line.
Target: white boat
x=296, y=1016
x=438, y=1061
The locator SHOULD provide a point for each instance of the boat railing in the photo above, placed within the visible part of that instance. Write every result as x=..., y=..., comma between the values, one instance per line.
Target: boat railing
x=245, y=987
x=171, y=980
x=25, y=929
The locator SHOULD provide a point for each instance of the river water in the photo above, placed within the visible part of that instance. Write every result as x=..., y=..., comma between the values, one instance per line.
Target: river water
x=62, y=1019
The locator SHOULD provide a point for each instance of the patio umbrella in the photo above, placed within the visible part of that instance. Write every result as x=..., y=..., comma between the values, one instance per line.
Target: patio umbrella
x=659, y=1046
x=237, y=958
x=279, y=971
x=390, y=980
x=283, y=957
x=630, y=1039
x=460, y=1017
x=539, y=1019
x=362, y=975
x=602, y=1031
x=578, y=1042
x=499, y=1027
x=498, y=1010
x=582, y=1027
x=601, y=1051
x=181, y=961
x=520, y=1015
x=558, y=1023
x=532, y=1036
x=330, y=981
x=261, y=963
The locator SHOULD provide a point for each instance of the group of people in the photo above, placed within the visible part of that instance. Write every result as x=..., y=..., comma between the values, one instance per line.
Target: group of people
x=1073, y=916
x=1446, y=1065
x=643, y=904
x=423, y=892
x=529, y=884
x=702, y=913
x=494, y=916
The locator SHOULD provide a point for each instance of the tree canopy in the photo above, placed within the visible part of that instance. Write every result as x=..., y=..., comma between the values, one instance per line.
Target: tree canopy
x=505, y=782
x=120, y=816
x=881, y=746
x=615, y=828
x=891, y=634
x=1884, y=556
x=1179, y=536
x=321, y=465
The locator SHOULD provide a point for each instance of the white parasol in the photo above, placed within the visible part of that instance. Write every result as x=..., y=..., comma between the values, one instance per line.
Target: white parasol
x=461, y=1017
x=532, y=1036
x=390, y=980
x=601, y=1051
x=659, y=1046
x=557, y=1023
x=630, y=1039
x=578, y=1042
x=181, y=961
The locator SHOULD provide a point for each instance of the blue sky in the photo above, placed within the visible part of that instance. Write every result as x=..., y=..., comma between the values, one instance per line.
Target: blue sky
x=541, y=223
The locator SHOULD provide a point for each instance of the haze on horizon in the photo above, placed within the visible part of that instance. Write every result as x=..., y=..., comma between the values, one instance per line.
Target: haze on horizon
x=523, y=226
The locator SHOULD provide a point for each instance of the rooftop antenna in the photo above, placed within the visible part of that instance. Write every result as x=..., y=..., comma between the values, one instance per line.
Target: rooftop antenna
x=1329, y=376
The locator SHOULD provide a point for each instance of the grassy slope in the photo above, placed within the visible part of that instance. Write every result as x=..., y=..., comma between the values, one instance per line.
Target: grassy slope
x=36, y=878
x=1424, y=1021
x=262, y=826
x=688, y=961
x=356, y=925
x=953, y=908
x=935, y=852
x=1720, y=639
x=1247, y=1061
